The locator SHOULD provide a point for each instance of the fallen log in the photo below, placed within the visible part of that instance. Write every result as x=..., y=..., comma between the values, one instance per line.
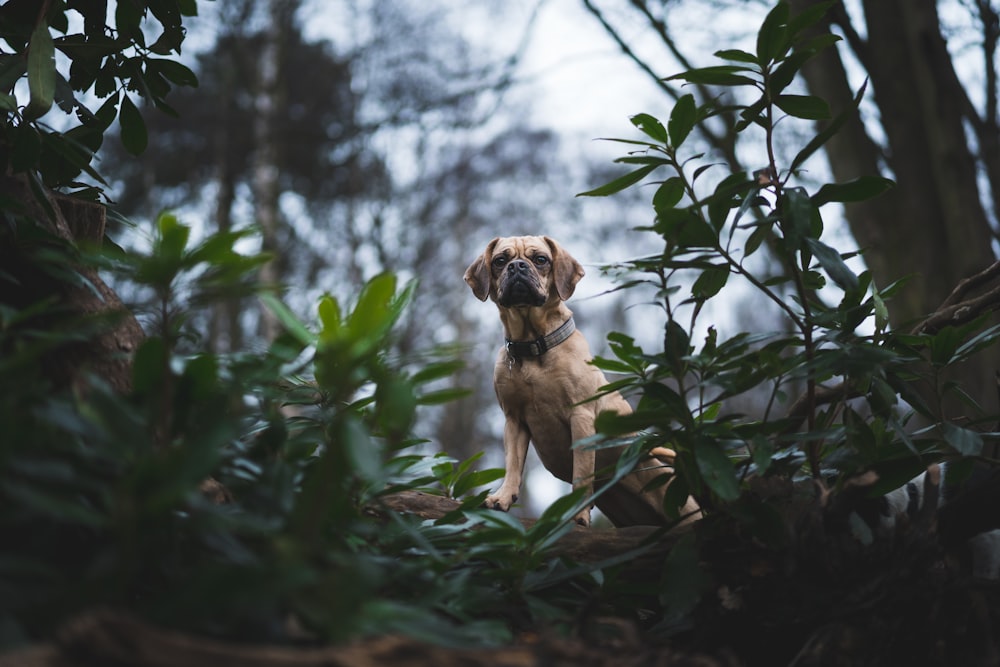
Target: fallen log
x=584, y=545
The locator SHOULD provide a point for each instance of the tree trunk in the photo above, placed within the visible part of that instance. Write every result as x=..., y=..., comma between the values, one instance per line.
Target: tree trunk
x=225, y=332
x=270, y=105
x=108, y=353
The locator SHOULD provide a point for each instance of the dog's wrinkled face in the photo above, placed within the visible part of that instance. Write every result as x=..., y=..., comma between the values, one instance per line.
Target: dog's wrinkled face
x=523, y=271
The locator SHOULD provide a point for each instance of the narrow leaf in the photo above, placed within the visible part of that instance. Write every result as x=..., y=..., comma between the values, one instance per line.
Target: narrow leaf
x=717, y=470
x=620, y=183
x=683, y=579
x=859, y=189
x=772, y=39
x=803, y=106
x=831, y=129
x=736, y=55
x=719, y=75
x=710, y=282
x=133, y=128
x=41, y=72
x=682, y=120
x=288, y=319
x=965, y=441
x=650, y=126
x=669, y=194
x=833, y=263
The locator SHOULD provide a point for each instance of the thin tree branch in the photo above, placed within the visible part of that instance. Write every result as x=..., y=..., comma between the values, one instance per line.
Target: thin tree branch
x=957, y=309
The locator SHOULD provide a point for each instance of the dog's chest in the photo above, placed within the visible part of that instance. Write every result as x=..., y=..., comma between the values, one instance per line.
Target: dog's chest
x=518, y=382
x=532, y=391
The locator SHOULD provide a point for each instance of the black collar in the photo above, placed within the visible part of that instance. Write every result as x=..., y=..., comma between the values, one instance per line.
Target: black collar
x=539, y=346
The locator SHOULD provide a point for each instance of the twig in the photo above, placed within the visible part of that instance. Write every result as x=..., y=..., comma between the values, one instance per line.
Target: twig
x=800, y=409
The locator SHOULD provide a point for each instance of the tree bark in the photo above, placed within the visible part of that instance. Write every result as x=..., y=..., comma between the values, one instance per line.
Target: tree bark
x=108, y=353
x=270, y=105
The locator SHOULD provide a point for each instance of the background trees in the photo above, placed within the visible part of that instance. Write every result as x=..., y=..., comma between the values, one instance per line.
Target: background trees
x=392, y=145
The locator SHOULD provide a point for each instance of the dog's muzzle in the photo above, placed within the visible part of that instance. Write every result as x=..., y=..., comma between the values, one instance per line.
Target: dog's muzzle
x=519, y=286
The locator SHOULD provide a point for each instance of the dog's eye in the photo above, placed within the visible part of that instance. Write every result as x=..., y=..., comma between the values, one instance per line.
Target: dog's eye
x=541, y=260
x=499, y=260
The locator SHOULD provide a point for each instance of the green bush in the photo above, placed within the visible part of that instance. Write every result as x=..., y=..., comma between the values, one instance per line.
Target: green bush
x=838, y=381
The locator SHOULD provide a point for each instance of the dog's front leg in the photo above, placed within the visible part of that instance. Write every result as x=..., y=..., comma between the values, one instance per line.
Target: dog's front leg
x=581, y=424
x=515, y=450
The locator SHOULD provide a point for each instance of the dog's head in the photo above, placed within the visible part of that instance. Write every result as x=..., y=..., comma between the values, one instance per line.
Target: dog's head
x=523, y=271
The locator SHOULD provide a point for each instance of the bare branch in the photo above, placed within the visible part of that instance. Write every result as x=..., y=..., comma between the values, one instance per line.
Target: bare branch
x=957, y=309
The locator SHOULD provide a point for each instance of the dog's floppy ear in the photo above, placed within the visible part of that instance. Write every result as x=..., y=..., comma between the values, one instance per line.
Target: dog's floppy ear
x=567, y=272
x=478, y=273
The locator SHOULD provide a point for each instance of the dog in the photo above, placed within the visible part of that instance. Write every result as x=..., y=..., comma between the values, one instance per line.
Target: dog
x=544, y=382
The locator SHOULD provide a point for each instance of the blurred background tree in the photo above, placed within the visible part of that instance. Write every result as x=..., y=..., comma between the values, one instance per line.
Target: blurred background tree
x=391, y=139
x=390, y=142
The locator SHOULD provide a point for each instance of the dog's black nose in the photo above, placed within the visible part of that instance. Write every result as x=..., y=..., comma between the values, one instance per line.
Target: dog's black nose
x=518, y=266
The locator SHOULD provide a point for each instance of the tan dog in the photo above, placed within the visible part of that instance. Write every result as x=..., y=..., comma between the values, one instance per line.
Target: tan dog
x=543, y=378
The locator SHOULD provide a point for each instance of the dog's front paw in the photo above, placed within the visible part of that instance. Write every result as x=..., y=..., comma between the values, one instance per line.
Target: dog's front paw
x=500, y=501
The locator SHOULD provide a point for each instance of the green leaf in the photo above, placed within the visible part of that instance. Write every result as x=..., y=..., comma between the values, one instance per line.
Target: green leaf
x=717, y=470
x=799, y=211
x=442, y=396
x=772, y=38
x=684, y=228
x=763, y=452
x=470, y=481
x=172, y=237
x=620, y=183
x=683, y=579
x=650, y=126
x=329, y=317
x=979, y=341
x=12, y=68
x=612, y=365
x=803, y=106
x=26, y=147
x=437, y=371
x=833, y=263
x=148, y=366
x=288, y=319
x=858, y=189
x=41, y=72
x=682, y=120
x=785, y=73
x=128, y=17
x=831, y=129
x=676, y=342
x=965, y=441
x=736, y=55
x=133, y=127
x=8, y=102
x=174, y=71
x=719, y=75
x=669, y=194
x=711, y=281
x=373, y=314
x=756, y=239
x=397, y=404
x=810, y=16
